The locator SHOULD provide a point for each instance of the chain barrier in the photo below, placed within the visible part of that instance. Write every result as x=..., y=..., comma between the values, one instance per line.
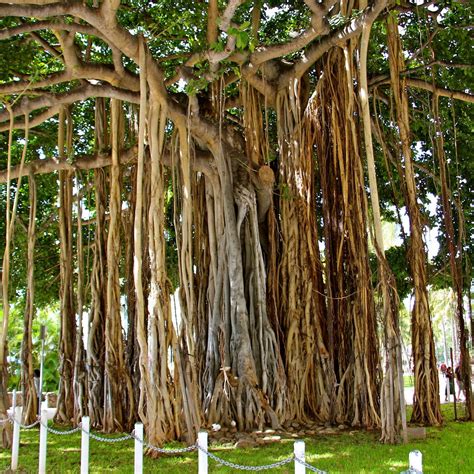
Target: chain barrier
x=240, y=467
x=103, y=439
x=26, y=427
x=188, y=449
x=308, y=466
x=12, y=420
x=151, y=447
x=60, y=432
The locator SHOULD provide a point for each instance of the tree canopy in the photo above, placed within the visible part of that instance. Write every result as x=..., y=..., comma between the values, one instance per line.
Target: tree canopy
x=245, y=154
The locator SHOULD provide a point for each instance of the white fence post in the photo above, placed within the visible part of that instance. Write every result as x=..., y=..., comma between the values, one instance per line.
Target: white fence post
x=415, y=461
x=202, y=457
x=85, y=425
x=16, y=412
x=138, y=448
x=43, y=441
x=298, y=451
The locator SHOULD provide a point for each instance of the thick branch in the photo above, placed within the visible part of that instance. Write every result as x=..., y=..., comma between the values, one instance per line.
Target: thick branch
x=336, y=37
x=49, y=25
x=212, y=13
x=86, y=162
x=427, y=86
x=201, y=162
x=27, y=106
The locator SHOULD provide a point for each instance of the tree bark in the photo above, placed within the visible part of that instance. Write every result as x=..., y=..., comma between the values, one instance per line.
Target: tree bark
x=426, y=407
x=118, y=391
x=30, y=396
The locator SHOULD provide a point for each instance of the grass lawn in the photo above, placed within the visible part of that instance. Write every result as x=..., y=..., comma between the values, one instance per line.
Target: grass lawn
x=445, y=450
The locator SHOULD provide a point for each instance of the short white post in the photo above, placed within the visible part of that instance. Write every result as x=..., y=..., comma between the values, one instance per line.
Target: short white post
x=43, y=441
x=415, y=461
x=298, y=451
x=85, y=429
x=16, y=413
x=138, y=448
x=202, y=456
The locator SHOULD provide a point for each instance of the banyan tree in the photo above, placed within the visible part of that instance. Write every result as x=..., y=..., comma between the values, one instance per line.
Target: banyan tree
x=217, y=175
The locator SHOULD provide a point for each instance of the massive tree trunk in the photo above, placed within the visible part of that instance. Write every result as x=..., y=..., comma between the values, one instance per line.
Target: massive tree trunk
x=426, y=408
x=242, y=378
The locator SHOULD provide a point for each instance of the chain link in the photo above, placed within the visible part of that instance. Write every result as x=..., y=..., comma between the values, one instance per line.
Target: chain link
x=246, y=468
x=308, y=466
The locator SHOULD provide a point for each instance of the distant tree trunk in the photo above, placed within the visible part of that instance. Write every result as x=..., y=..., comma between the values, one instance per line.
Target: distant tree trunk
x=30, y=396
x=455, y=259
x=426, y=408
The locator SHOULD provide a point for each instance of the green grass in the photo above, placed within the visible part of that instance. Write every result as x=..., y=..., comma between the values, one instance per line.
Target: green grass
x=408, y=381
x=445, y=450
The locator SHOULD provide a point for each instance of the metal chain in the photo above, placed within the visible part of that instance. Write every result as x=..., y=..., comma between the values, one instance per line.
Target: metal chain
x=12, y=420
x=109, y=440
x=168, y=451
x=162, y=450
x=26, y=427
x=60, y=432
x=308, y=466
x=246, y=468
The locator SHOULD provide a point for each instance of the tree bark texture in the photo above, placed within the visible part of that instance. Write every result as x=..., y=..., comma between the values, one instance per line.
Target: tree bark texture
x=426, y=405
x=30, y=397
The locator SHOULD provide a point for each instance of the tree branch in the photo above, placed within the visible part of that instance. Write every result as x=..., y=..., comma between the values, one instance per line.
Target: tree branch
x=86, y=162
x=420, y=84
x=50, y=25
x=26, y=106
x=336, y=37
x=98, y=72
x=201, y=162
